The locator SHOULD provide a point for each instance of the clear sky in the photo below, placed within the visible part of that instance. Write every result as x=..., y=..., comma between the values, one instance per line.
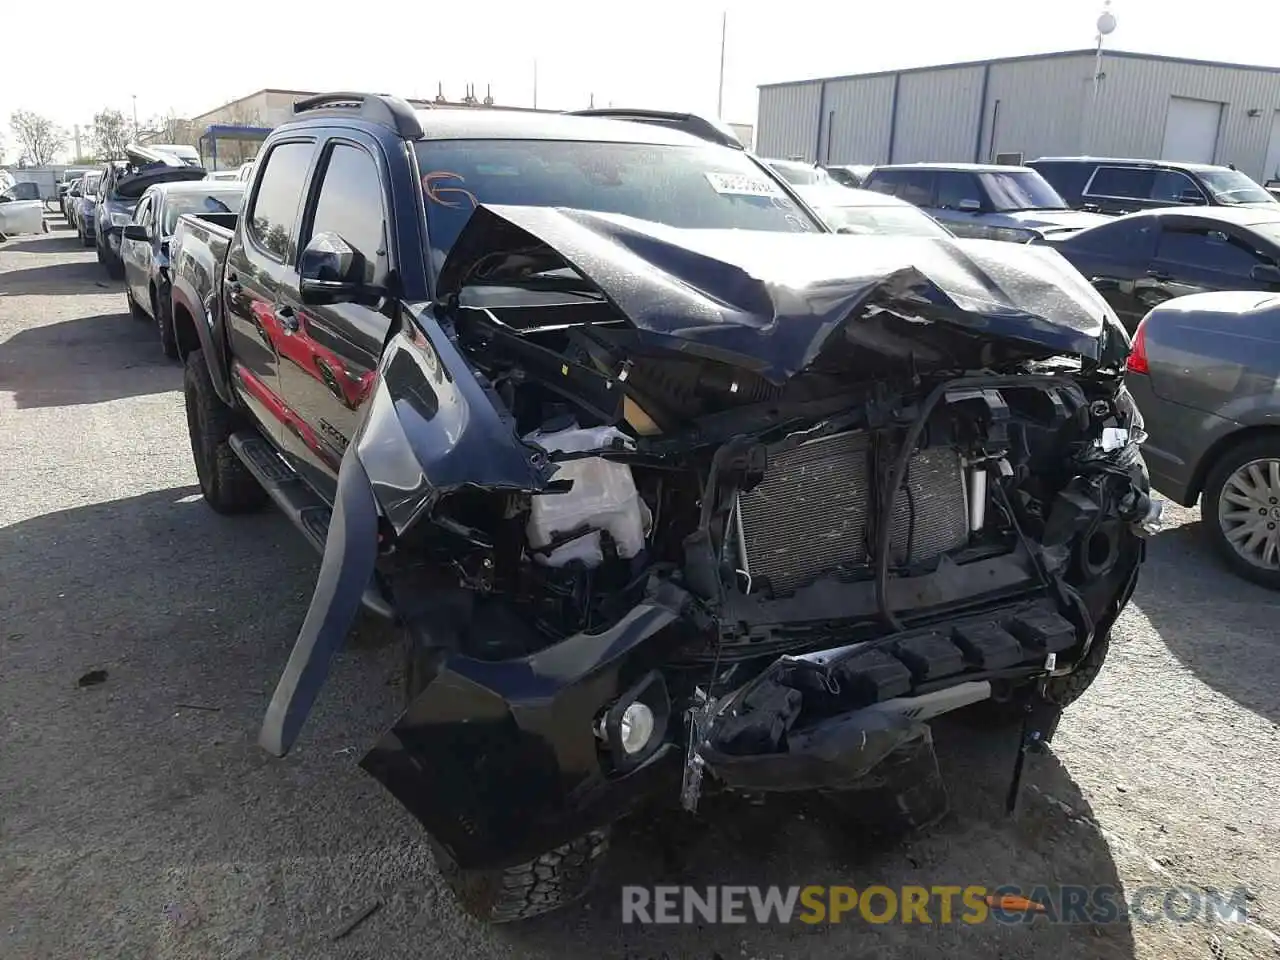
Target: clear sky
x=660, y=53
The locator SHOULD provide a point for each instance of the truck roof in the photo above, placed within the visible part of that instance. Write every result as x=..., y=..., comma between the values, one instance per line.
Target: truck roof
x=488, y=123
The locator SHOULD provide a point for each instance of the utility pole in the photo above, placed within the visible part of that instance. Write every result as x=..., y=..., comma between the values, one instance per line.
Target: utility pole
x=535, y=83
x=135, y=116
x=724, y=25
x=77, y=139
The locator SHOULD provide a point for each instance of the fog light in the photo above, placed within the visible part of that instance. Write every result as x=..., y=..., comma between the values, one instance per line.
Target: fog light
x=636, y=727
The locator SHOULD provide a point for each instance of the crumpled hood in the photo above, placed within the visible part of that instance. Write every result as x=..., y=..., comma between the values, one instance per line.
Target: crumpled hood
x=771, y=301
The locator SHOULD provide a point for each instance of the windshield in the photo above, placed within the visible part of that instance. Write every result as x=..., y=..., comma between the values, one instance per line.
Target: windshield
x=891, y=221
x=211, y=201
x=90, y=185
x=710, y=188
x=1232, y=186
x=800, y=174
x=1021, y=190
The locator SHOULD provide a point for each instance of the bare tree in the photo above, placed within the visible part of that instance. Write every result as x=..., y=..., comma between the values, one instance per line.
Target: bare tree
x=110, y=134
x=39, y=137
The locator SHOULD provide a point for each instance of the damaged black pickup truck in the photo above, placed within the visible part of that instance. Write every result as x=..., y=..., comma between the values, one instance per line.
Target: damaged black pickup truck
x=671, y=489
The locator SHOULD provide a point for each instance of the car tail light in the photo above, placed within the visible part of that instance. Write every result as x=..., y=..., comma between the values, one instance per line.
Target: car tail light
x=1137, y=362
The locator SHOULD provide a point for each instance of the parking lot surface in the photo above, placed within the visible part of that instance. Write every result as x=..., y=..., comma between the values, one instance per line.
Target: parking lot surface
x=138, y=817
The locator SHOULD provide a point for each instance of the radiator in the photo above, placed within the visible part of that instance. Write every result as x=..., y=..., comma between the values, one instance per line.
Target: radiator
x=809, y=515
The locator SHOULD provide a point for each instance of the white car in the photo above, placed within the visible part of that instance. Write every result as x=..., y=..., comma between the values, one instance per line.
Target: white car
x=20, y=216
x=232, y=175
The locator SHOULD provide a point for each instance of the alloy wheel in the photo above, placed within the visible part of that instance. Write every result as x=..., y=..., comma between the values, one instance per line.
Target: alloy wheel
x=1249, y=512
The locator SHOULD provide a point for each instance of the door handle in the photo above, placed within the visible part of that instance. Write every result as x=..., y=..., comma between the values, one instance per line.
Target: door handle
x=287, y=318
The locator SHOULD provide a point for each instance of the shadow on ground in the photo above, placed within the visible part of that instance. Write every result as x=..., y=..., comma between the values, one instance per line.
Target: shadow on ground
x=60, y=239
x=1184, y=586
x=85, y=360
x=54, y=279
x=178, y=814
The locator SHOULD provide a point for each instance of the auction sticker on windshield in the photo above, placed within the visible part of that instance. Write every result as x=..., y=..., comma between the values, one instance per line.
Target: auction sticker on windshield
x=743, y=185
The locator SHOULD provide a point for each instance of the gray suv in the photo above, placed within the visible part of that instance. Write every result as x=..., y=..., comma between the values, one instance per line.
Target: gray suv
x=983, y=201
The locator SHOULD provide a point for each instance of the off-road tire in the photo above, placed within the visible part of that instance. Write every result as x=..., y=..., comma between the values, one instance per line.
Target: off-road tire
x=164, y=322
x=135, y=311
x=1066, y=690
x=1061, y=691
x=550, y=881
x=85, y=239
x=547, y=882
x=226, y=483
x=1258, y=448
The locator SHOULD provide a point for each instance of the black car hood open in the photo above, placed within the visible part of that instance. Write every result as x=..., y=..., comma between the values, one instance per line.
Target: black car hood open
x=771, y=301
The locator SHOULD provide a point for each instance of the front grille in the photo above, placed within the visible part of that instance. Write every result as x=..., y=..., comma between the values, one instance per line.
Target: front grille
x=809, y=515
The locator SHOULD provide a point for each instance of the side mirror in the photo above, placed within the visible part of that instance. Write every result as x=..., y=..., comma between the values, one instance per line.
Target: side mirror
x=1192, y=197
x=1265, y=273
x=136, y=231
x=330, y=271
x=969, y=206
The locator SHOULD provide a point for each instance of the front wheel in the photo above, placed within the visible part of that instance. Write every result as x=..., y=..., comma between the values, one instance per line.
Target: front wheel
x=1241, y=509
x=549, y=881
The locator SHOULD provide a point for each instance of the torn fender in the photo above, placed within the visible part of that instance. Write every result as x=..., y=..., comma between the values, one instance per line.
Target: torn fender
x=345, y=573
x=433, y=426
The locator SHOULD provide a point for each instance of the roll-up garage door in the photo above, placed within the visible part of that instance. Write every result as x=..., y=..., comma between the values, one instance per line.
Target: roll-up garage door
x=1191, y=130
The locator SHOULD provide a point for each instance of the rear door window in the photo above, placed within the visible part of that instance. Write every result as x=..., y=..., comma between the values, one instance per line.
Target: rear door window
x=1125, y=183
x=913, y=186
x=1208, y=249
x=1174, y=186
x=274, y=213
x=955, y=186
x=1124, y=239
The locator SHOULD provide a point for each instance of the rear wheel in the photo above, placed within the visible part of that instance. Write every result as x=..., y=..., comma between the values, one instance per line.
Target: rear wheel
x=164, y=321
x=549, y=881
x=1241, y=509
x=226, y=483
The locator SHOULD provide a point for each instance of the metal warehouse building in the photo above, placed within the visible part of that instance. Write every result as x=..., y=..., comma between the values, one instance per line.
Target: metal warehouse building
x=1026, y=107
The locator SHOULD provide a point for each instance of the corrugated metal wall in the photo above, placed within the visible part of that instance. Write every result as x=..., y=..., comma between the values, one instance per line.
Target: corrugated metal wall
x=787, y=122
x=1037, y=107
x=938, y=115
x=859, y=129
x=1034, y=107
x=1133, y=104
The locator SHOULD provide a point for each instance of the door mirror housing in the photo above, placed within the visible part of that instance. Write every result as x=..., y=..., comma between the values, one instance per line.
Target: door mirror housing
x=136, y=231
x=969, y=206
x=1265, y=273
x=330, y=270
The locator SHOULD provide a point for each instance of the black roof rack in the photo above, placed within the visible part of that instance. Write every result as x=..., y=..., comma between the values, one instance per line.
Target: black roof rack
x=375, y=107
x=690, y=123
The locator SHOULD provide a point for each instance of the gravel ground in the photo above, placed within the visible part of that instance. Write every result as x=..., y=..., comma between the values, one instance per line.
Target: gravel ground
x=138, y=818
